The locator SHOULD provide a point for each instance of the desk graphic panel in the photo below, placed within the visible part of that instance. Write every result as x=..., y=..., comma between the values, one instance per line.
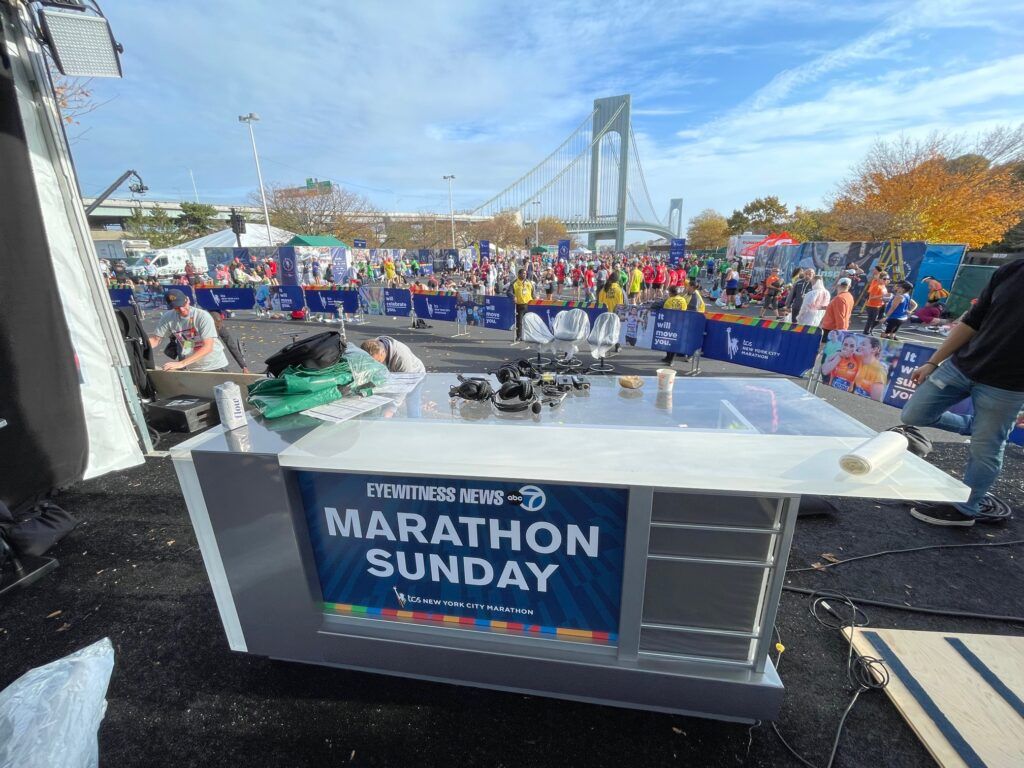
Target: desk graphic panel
x=537, y=560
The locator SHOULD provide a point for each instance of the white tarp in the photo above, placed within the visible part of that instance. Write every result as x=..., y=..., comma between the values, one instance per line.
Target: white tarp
x=95, y=335
x=255, y=237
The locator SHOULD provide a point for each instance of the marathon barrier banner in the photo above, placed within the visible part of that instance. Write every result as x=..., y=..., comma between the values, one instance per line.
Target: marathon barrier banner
x=333, y=301
x=541, y=561
x=499, y=312
x=286, y=298
x=678, y=330
x=436, y=306
x=397, y=302
x=676, y=251
x=880, y=370
x=217, y=299
x=286, y=265
x=768, y=345
x=122, y=297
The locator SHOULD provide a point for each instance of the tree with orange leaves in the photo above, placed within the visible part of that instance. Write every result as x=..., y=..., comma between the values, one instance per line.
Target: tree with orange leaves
x=940, y=189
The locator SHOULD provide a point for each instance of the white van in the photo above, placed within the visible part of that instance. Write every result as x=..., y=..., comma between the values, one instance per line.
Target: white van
x=167, y=262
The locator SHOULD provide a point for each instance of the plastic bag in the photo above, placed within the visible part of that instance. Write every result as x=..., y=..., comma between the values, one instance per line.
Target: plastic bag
x=50, y=716
x=365, y=370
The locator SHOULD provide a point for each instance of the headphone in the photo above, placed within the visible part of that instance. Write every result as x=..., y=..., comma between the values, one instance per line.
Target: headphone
x=473, y=388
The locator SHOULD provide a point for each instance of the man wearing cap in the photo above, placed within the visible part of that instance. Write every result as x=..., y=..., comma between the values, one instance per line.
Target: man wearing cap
x=197, y=345
x=839, y=310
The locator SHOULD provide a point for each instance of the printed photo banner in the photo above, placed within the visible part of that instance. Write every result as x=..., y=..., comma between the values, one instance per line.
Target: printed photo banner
x=536, y=560
x=217, y=299
x=764, y=344
x=880, y=370
x=287, y=298
x=333, y=301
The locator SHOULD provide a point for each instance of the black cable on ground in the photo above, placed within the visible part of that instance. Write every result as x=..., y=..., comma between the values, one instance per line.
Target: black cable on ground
x=910, y=608
x=865, y=673
x=904, y=551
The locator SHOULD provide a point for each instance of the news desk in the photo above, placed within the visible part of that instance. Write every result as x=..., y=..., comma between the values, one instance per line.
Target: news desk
x=627, y=548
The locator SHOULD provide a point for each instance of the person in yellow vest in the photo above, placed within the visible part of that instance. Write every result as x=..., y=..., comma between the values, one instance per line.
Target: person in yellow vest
x=674, y=300
x=522, y=294
x=610, y=296
x=389, y=272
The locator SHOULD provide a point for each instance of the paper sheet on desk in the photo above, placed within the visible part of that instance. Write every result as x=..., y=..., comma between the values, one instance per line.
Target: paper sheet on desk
x=347, y=408
x=400, y=384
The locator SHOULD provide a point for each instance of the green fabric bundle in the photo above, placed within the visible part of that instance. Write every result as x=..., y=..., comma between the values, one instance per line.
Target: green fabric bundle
x=297, y=389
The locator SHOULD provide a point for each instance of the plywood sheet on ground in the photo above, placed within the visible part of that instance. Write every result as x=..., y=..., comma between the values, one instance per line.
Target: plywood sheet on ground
x=962, y=694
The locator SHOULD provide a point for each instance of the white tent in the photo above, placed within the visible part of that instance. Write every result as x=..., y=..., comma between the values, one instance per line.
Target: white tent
x=255, y=237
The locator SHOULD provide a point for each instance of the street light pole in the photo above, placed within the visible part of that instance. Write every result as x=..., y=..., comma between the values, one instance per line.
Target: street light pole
x=249, y=119
x=451, y=207
x=536, y=223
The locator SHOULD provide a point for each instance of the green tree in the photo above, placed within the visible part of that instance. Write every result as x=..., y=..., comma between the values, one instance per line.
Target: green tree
x=708, y=229
x=504, y=229
x=738, y=223
x=156, y=227
x=809, y=224
x=766, y=214
x=197, y=219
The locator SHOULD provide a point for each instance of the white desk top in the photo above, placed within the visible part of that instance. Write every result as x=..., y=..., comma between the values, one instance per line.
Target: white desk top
x=709, y=461
x=745, y=436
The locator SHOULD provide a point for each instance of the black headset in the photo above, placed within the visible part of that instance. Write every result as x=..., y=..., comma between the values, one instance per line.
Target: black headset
x=473, y=388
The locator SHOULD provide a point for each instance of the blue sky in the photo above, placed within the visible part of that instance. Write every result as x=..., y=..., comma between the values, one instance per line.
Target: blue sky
x=731, y=100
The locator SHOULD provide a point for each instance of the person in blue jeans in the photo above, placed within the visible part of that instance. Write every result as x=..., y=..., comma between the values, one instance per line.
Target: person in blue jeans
x=981, y=359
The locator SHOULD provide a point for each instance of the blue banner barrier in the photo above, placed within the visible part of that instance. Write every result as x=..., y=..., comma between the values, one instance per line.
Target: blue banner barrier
x=122, y=297
x=499, y=312
x=555, y=570
x=679, y=331
x=332, y=302
x=217, y=299
x=432, y=307
x=286, y=298
x=770, y=349
x=397, y=302
x=563, y=250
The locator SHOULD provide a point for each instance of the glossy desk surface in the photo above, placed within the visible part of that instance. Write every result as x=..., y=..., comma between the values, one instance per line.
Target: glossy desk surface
x=732, y=435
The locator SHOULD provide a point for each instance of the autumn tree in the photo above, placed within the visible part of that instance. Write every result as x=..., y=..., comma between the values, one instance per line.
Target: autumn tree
x=941, y=189
x=550, y=230
x=337, y=211
x=504, y=229
x=708, y=229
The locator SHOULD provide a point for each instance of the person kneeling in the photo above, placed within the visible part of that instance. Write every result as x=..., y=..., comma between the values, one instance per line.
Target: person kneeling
x=394, y=354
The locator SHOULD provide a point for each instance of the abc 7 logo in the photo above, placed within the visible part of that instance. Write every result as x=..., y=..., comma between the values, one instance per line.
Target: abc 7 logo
x=529, y=497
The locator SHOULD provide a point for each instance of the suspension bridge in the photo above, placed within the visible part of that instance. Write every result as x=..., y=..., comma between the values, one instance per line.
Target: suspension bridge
x=593, y=182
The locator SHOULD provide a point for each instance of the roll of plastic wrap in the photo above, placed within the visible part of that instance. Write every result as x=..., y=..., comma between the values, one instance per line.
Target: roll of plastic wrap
x=877, y=453
x=230, y=405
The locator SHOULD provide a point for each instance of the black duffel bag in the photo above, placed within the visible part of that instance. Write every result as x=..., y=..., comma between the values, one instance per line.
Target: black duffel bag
x=33, y=532
x=321, y=350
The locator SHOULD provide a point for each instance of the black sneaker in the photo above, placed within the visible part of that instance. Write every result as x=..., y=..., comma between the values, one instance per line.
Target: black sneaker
x=941, y=514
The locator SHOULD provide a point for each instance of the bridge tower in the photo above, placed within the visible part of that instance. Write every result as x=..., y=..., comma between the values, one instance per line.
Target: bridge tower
x=675, y=209
x=611, y=115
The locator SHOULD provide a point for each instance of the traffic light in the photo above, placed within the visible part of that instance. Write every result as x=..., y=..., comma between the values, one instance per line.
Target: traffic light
x=237, y=222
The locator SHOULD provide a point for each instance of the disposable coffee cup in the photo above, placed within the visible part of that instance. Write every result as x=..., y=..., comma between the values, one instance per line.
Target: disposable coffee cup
x=666, y=379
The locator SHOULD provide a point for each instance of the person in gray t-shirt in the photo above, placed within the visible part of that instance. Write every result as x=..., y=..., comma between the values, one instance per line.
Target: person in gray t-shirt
x=394, y=354
x=199, y=348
